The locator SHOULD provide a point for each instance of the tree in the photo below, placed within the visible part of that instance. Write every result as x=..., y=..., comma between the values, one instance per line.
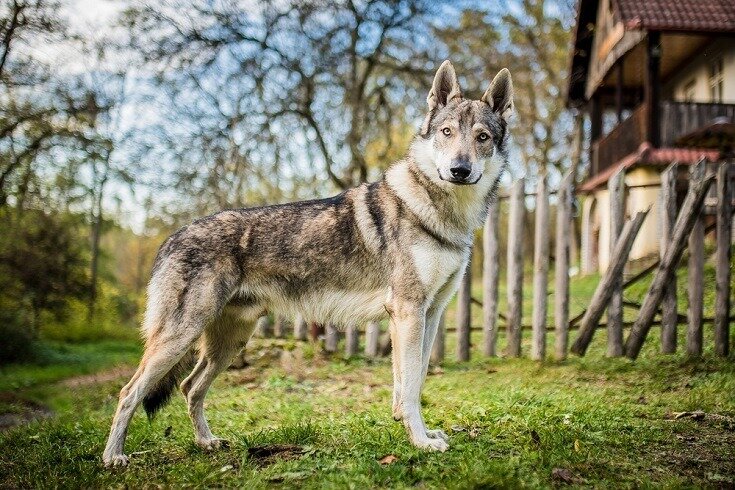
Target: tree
x=263, y=97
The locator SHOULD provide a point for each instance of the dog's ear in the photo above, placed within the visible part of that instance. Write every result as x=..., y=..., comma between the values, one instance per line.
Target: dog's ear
x=499, y=95
x=444, y=89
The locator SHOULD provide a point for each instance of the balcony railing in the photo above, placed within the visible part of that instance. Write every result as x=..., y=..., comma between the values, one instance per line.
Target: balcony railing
x=677, y=119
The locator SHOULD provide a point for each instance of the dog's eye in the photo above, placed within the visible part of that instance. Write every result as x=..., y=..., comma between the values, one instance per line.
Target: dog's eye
x=446, y=131
x=483, y=137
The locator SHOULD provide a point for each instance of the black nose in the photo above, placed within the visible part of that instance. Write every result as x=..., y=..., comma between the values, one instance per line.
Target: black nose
x=460, y=172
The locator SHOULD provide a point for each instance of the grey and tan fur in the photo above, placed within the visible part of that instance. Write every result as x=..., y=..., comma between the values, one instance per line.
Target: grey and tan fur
x=398, y=245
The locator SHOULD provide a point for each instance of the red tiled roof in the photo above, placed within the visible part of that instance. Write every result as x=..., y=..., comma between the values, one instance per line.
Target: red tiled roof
x=678, y=15
x=647, y=155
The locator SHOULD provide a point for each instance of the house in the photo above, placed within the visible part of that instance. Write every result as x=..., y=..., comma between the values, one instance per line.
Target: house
x=656, y=80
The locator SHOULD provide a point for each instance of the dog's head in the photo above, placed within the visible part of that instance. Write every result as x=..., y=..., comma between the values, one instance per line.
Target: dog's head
x=463, y=138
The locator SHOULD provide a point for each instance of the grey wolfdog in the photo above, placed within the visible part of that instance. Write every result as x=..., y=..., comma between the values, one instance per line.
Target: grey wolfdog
x=397, y=246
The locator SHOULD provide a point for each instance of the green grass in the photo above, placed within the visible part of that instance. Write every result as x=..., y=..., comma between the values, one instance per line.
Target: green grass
x=58, y=360
x=511, y=422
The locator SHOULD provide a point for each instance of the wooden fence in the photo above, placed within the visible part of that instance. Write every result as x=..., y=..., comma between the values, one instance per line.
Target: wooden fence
x=681, y=227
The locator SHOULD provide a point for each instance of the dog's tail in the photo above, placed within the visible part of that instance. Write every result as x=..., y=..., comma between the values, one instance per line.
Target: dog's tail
x=161, y=393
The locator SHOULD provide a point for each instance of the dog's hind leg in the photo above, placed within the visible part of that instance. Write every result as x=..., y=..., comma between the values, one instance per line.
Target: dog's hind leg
x=162, y=353
x=172, y=331
x=221, y=341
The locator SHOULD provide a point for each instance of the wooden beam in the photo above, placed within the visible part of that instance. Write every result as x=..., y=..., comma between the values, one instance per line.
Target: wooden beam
x=372, y=339
x=668, y=218
x=490, y=280
x=464, y=301
x=601, y=296
x=541, y=270
x=300, y=328
x=723, y=260
x=695, y=289
x=561, y=267
x=652, y=88
x=616, y=193
x=515, y=269
x=690, y=209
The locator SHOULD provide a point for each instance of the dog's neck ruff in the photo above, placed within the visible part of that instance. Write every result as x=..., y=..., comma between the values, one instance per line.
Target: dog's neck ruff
x=449, y=210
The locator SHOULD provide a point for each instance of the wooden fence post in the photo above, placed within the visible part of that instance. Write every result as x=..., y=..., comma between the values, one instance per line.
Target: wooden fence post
x=669, y=315
x=279, y=327
x=331, y=338
x=561, y=267
x=264, y=327
x=515, y=268
x=437, y=352
x=490, y=280
x=695, y=289
x=464, y=301
x=300, y=328
x=616, y=192
x=690, y=209
x=722, y=261
x=372, y=339
x=541, y=271
x=601, y=297
x=352, y=340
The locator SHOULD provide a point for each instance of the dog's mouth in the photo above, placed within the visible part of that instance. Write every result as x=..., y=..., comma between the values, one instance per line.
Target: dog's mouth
x=460, y=181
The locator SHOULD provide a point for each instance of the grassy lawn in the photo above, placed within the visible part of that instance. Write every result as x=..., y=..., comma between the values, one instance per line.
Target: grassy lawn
x=298, y=418
x=590, y=421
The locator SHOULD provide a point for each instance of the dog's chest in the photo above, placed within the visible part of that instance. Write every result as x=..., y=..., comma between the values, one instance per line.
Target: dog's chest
x=435, y=264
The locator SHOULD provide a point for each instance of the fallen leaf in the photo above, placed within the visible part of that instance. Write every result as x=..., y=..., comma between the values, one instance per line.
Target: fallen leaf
x=576, y=445
x=565, y=476
x=388, y=459
x=642, y=400
x=474, y=432
x=458, y=428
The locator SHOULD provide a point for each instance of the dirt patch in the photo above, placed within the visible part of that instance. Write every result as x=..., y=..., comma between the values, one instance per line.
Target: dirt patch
x=18, y=411
x=101, y=377
x=269, y=454
x=703, y=449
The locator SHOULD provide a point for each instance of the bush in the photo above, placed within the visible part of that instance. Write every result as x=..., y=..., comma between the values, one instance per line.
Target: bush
x=17, y=337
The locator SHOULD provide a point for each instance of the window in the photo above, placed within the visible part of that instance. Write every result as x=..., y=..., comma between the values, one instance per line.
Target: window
x=715, y=80
x=689, y=90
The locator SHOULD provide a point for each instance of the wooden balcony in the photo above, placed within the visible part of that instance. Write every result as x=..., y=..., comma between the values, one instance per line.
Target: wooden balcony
x=678, y=119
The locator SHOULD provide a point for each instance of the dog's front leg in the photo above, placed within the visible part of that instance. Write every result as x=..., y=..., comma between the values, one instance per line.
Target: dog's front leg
x=408, y=321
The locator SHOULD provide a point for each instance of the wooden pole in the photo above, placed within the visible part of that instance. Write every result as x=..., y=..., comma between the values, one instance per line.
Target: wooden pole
x=279, y=327
x=541, y=271
x=668, y=218
x=300, y=328
x=464, y=302
x=372, y=339
x=331, y=338
x=264, y=327
x=722, y=261
x=515, y=268
x=437, y=352
x=616, y=192
x=490, y=280
x=695, y=289
x=561, y=267
x=690, y=209
x=352, y=340
x=601, y=297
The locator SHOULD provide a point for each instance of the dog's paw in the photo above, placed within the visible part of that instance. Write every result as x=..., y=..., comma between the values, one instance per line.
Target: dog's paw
x=213, y=444
x=437, y=434
x=115, y=461
x=432, y=444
